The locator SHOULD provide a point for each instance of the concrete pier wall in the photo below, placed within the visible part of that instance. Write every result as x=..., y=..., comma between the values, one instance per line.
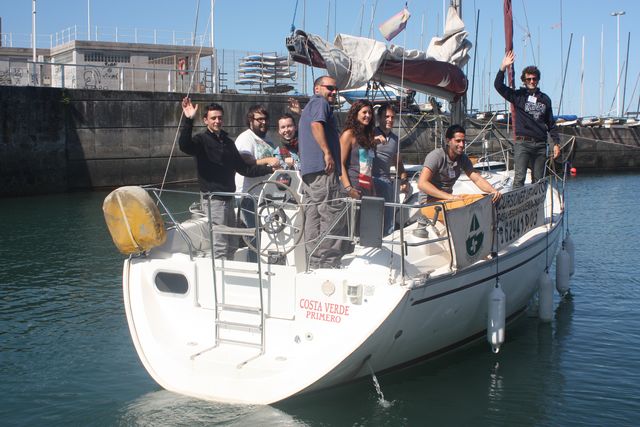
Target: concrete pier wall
x=57, y=140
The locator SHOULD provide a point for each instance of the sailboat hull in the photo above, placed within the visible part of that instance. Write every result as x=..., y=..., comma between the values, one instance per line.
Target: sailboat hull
x=321, y=328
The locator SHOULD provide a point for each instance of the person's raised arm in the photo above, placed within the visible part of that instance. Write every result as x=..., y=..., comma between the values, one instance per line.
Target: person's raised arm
x=507, y=61
x=294, y=106
x=188, y=109
x=505, y=91
x=317, y=130
x=185, y=141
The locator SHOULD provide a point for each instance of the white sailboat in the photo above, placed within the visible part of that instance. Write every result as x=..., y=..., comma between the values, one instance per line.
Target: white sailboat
x=229, y=330
x=241, y=332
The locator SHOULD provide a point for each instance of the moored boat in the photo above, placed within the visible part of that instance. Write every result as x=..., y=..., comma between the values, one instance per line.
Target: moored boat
x=242, y=332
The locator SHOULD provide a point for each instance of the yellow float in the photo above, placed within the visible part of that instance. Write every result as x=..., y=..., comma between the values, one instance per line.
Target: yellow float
x=133, y=219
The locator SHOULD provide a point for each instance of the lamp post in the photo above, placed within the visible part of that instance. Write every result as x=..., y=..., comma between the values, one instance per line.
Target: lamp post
x=33, y=33
x=617, y=15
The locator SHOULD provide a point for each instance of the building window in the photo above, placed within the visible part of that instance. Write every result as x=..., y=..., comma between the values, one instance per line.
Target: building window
x=162, y=60
x=107, y=58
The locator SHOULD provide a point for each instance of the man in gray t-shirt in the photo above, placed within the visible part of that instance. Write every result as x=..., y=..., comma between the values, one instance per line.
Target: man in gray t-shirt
x=319, y=148
x=443, y=166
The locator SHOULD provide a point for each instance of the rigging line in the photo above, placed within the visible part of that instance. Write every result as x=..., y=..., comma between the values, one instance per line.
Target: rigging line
x=175, y=138
x=526, y=21
x=396, y=181
x=615, y=95
x=564, y=77
x=293, y=21
x=633, y=94
x=373, y=15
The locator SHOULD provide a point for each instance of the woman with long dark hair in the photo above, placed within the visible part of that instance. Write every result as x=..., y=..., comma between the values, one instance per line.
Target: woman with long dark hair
x=357, y=150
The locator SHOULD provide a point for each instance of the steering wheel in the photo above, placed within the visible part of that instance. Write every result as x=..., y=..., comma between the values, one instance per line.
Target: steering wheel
x=280, y=218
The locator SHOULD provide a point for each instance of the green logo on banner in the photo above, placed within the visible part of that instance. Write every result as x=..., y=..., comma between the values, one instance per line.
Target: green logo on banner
x=474, y=240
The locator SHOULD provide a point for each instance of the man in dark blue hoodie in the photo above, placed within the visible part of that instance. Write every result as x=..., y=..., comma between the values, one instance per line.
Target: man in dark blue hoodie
x=534, y=120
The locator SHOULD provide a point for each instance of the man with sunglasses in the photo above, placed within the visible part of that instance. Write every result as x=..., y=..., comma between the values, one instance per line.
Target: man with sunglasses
x=319, y=150
x=534, y=120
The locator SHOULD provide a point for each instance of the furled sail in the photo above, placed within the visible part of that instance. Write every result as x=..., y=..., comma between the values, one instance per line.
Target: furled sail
x=353, y=61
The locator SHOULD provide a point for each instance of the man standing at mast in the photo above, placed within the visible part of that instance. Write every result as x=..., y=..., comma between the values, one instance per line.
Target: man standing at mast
x=534, y=120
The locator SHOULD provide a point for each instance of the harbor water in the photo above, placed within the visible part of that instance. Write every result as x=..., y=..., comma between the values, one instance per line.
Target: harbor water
x=66, y=357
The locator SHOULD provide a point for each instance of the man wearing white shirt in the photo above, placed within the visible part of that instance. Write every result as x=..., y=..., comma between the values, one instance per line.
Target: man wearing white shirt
x=254, y=148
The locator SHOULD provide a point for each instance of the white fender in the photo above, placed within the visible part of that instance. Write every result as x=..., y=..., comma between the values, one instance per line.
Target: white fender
x=562, y=272
x=545, y=297
x=571, y=250
x=496, y=314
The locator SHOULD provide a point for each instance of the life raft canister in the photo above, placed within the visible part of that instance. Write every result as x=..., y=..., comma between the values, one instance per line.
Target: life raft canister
x=133, y=220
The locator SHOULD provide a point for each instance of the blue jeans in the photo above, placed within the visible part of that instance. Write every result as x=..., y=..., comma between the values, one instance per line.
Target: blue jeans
x=527, y=154
x=385, y=188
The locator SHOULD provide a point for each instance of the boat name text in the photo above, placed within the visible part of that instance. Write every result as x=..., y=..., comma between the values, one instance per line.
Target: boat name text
x=327, y=311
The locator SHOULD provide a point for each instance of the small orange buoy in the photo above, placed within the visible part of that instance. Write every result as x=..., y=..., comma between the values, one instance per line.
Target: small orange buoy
x=573, y=171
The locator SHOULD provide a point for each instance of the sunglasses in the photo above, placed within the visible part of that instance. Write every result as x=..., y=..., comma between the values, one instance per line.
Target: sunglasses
x=330, y=88
x=531, y=79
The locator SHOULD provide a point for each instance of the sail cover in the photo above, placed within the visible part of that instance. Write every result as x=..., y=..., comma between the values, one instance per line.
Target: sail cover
x=453, y=46
x=353, y=61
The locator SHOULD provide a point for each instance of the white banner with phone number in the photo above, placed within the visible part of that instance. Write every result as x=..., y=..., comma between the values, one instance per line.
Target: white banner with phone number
x=520, y=211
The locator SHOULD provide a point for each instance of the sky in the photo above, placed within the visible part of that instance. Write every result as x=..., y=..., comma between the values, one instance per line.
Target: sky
x=542, y=31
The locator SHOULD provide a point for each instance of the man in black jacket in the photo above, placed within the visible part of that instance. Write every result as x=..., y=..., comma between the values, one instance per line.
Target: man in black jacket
x=534, y=119
x=217, y=161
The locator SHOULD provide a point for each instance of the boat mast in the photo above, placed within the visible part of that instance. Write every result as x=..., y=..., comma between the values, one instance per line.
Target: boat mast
x=582, y=81
x=490, y=68
x=475, y=54
x=89, y=20
x=33, y=34
x=564, y=77
x=304, y=28
x=457, y=108
x=626, y=68
x=601, y=68
x=561, y=49
x=214, y=62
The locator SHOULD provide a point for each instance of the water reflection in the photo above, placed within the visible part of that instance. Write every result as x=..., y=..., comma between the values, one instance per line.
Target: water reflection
x=170, y=409
x=67, y=357
x=521, y=385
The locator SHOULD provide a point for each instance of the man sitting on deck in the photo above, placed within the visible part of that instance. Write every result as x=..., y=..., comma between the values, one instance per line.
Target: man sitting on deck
x=217, y=161
x=443, y=166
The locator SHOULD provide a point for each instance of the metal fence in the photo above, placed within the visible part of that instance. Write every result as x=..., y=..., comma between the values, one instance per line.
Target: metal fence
x=107, y=77
x=153, y=78
x=115, y=76
x=108, y=34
